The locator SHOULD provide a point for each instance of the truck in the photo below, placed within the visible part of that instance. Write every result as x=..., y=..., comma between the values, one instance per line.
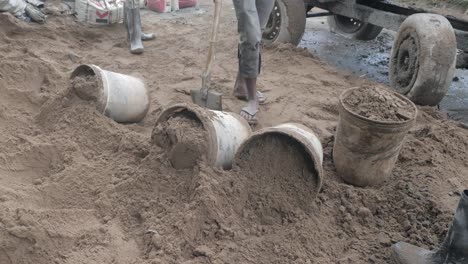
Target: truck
x=430, y=42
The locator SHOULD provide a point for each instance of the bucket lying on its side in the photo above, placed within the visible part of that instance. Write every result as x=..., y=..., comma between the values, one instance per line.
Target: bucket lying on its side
x=123, y=98
x=365, y=151
x=225, y=131
x=300, y=134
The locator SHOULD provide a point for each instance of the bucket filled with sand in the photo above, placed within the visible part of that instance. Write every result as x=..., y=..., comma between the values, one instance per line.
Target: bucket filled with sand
x=282, y=168
x=121, y=97
x=190, y=134
x=372, y=126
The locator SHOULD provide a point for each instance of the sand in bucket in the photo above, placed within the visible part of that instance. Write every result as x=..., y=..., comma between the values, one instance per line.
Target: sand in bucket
x=86, y=87
x=122, y=98
x=371, y=131
x=279, y=178
x=379, y=105
x=183, y=138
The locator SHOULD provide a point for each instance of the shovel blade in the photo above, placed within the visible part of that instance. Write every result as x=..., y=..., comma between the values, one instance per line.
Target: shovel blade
x=213, y=100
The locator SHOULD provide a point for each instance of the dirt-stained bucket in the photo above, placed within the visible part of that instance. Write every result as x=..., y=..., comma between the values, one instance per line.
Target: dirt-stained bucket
x=190, y=133
x=289, y=156
x=371, y=130
x=121, y=97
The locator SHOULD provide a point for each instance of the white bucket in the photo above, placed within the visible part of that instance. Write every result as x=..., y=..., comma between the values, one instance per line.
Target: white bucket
x=305, y=134
x=123, y=98
x=299, y=133
x=226, y=131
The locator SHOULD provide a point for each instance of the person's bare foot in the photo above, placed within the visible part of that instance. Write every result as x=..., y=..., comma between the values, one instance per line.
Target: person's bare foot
x=240, y=88
x=250, y=111
x=240, y=91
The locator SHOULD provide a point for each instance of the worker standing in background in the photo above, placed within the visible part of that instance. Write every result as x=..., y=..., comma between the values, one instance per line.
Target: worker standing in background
x=252, y=18
x=132, y=22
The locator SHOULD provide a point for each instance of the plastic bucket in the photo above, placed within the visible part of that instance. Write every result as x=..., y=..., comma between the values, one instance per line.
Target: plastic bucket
x=365, y=151
x=301, y=134
x=123, y=98
x=226, y=131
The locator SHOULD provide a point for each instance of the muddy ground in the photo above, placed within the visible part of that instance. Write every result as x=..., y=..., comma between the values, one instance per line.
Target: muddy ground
x=76, y=187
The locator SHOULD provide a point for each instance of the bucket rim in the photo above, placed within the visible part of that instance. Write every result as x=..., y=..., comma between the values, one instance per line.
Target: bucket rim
x=310, y=150
x=299, y=126
x=204, y=118
x=347, y=92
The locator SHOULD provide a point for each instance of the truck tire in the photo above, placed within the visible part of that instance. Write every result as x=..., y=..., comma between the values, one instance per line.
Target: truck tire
x=353, y=28
x=422, y=63
x=287, y=23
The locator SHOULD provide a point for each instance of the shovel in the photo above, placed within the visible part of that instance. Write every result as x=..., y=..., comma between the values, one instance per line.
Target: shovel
x=204, y=97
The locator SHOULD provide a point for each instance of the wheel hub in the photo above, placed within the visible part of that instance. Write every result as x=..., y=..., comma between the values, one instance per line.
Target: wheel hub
x=347, y=24
x=406, y=64
x=274, y=23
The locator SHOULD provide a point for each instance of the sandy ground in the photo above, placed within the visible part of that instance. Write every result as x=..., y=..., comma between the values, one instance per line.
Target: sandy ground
x=76, y=187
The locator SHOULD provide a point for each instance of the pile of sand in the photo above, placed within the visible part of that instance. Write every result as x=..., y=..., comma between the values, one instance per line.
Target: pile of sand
x=183, y=138
x=76, y=187
x=86, y=87
x=379, y=105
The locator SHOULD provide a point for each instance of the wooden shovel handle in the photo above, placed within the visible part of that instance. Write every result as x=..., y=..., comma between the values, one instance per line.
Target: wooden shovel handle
x=212, y=48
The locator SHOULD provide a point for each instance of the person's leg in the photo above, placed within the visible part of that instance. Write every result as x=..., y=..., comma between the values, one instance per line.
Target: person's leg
x=249, y=45
x=240, y=91
x=133, y=24
x=264, y=8
x=132, y=21
x=147, y=36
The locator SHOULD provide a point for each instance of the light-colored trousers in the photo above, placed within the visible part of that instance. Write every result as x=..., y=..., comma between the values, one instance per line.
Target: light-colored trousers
x=252, y=18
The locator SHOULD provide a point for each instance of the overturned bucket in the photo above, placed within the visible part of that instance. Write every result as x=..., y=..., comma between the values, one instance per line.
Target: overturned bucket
x=190, y=133
x=121, y=97
x=366, y=150
x=264, y=153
